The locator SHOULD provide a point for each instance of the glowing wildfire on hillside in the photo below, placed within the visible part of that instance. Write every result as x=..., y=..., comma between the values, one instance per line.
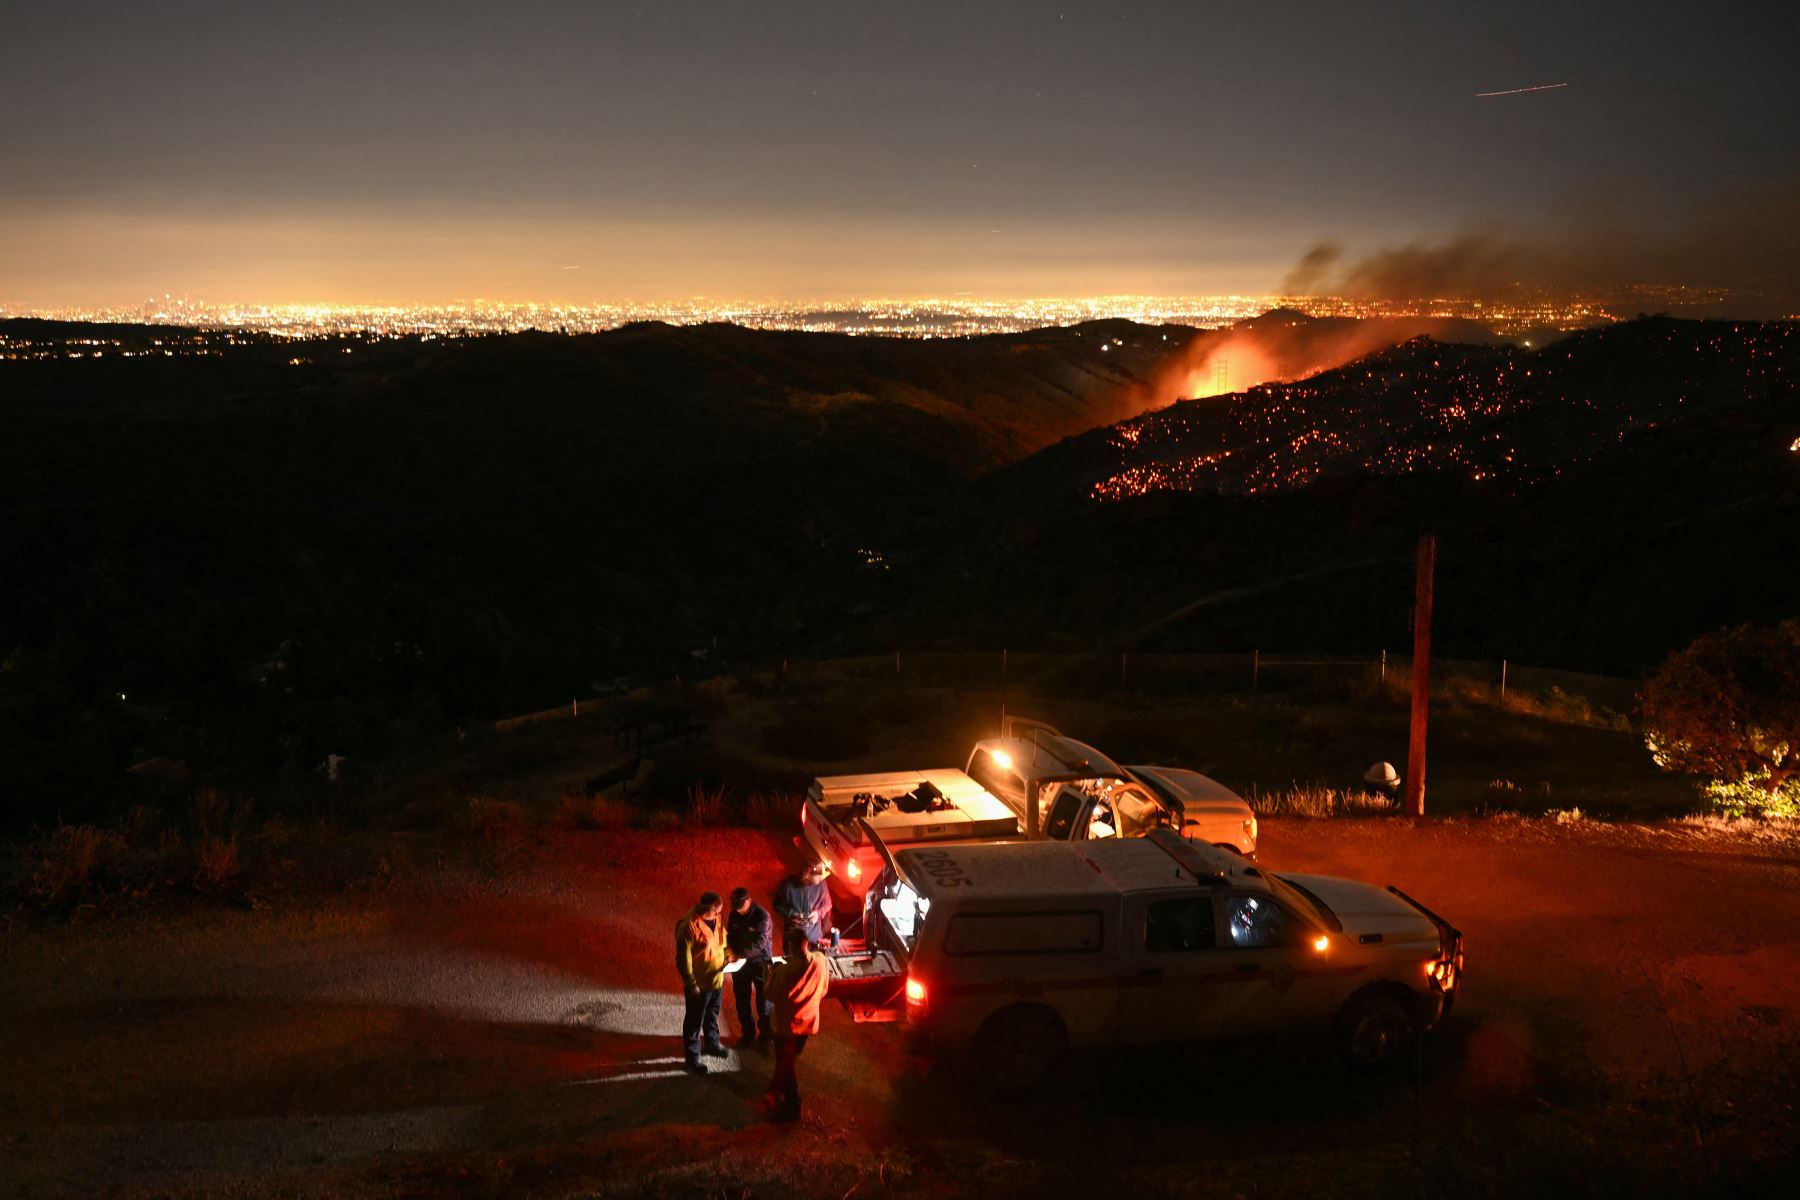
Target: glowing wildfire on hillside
x=1422, y=407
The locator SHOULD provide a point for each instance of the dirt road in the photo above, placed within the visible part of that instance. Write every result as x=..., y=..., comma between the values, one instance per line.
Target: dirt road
x=1631, y=1024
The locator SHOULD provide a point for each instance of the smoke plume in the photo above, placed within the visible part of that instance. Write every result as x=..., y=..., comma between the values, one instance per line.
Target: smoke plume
x=1745, y=240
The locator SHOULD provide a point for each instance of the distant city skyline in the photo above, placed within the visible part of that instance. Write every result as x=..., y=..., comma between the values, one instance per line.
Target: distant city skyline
x=555, y=152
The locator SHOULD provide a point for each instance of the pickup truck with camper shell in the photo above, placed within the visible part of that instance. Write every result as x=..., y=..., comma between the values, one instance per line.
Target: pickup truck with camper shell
x=1029, y=783
x=1013, y=953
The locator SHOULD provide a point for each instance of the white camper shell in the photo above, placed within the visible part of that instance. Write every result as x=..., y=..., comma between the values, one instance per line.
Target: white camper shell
x=1029, y=783
x=1018, y=951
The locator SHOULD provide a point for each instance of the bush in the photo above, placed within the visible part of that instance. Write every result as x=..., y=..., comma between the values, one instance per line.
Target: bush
x=1728, y=707
x=1751, y=796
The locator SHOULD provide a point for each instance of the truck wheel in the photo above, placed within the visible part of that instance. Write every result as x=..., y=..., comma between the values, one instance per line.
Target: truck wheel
x=1015, y=1050
x=1375, y=1032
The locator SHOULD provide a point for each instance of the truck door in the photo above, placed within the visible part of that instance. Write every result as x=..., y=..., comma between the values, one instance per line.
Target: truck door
x=1176, y=977
x=1280, y=979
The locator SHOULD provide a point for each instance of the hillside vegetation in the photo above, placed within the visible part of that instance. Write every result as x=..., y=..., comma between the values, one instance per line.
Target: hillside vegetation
x=253, y=553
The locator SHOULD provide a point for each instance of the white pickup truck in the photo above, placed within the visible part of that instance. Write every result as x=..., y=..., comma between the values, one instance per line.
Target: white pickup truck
x=1030, y=783
x=1016, y=953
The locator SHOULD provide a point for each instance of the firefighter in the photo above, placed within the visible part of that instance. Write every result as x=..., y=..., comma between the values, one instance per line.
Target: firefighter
x=749, y=936
x=803, y=902
x=797, y=987
x=700, y=958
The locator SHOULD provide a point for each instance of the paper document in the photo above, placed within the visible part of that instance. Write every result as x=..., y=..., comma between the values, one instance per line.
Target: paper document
x=735, y=964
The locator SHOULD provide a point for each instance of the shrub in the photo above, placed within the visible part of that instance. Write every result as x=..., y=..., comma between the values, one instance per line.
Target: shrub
x=1728, y=706
x=1751, y=796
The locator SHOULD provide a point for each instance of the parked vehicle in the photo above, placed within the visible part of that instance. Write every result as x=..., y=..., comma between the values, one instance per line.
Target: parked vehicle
x=1029, y=783
x=1014, y=953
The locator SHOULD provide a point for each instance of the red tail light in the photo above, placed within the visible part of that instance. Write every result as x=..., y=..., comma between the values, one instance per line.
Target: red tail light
x=852, y=869
x=915, y=993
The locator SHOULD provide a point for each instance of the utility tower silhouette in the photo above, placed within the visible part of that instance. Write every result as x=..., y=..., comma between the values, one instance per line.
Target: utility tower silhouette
x=1221, y=374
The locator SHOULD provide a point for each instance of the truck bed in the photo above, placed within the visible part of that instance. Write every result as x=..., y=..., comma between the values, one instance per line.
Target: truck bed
x=973, y=811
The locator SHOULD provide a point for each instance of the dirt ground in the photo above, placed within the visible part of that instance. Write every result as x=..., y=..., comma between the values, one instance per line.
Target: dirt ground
x=1630, y=1026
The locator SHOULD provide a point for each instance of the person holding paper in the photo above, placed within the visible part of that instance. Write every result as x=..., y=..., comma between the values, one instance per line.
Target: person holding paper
x=748, y=935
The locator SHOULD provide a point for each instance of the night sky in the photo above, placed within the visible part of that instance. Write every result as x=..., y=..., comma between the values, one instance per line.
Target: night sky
x=380, y=152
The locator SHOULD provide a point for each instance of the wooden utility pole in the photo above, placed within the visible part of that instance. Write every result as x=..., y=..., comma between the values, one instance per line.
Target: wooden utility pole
x=1421, y=677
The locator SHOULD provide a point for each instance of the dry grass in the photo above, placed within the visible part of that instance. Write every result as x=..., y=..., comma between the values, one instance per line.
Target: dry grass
x=706, y=806
x=216, y=866
x=1314, y=801
x=769, y=810
x=500, y=831
x=579, y=811
x=74, y=864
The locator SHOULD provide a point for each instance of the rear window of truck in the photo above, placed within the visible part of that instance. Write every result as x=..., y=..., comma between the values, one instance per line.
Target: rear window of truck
x=1023, y=933
x=1000, y=782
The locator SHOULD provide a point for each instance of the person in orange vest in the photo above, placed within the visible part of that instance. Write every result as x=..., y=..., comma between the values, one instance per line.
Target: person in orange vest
x=700, y=959
x=797, y=987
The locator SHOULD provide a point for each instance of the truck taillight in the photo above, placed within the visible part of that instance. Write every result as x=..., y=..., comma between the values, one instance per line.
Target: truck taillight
x=852, y=869
x=1250, y=828
x=915, y=993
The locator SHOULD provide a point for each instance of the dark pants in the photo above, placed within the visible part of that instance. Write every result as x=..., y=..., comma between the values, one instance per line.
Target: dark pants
x=750, y=993
x=702, y=1020
x=784, y=1089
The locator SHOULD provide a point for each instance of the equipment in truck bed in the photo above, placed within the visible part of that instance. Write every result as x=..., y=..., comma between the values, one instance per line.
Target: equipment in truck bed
x=943, y=804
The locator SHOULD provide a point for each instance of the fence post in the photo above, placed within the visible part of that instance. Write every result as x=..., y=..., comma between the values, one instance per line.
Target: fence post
x=1503, y=683
x=1255, y=668
x=575, y=704
x=1384, y=666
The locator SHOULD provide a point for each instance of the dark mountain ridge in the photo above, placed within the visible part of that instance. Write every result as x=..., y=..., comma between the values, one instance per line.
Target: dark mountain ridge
x=262, y=551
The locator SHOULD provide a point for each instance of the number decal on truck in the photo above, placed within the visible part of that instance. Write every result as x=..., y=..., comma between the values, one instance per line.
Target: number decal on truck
x=944, y=870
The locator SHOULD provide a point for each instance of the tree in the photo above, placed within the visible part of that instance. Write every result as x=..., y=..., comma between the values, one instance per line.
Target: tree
x=1728, y=706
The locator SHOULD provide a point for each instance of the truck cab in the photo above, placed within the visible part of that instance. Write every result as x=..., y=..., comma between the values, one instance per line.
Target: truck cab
x=1030, y=783
x=1014, y=952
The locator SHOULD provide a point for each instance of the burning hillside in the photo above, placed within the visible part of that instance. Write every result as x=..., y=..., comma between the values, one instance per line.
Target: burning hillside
x=1428, y=407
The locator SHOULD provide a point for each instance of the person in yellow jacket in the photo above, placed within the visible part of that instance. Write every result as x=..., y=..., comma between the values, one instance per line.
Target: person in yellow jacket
x=700, y=959
x=797, y=987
